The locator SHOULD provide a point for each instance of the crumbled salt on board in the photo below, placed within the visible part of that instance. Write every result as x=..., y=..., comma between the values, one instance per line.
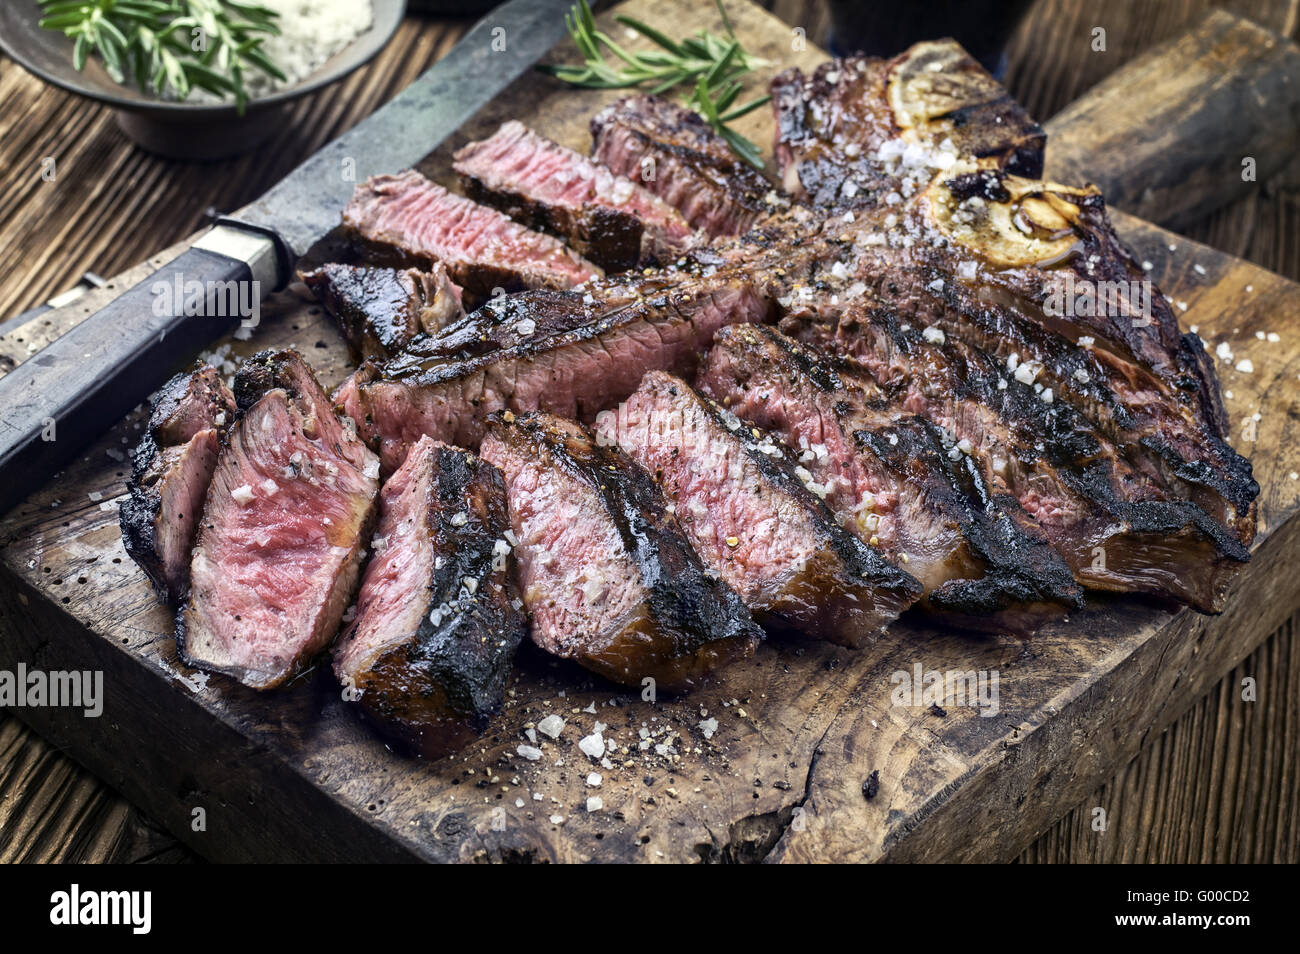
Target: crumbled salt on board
x=1246, y=366
x=708, y=727
x=551, y=726
x=532, y=753
x=594, y=780
x=595, y=803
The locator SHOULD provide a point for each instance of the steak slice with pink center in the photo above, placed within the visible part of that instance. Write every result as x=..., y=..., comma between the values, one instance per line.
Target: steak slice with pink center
x=750, y=518
x=286, y=521
x=574, y=373
x=422, y=222
x=436, y=627
x=171, y=470
x=610, y=219
x=674, y=153
x=606, y=573
x=890, y=477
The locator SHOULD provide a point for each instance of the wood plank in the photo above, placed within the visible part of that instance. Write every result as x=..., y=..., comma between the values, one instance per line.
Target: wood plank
x=785, y=767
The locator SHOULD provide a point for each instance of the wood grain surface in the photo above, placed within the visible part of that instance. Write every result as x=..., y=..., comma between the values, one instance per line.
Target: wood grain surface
x=52, y=810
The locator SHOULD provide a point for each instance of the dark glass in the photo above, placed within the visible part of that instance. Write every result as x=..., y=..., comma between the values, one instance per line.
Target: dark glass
x=886, y=29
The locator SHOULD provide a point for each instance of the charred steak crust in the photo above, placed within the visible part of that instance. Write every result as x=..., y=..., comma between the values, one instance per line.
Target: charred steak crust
x=1068, y=476
x=986, y=566
x=752, y=519
x=832, y=125
x=623, y=330
x=682, y=621
x=436, y=627
x=675, y=154
x=170, y=471
x=380, y=311
x=287, y=516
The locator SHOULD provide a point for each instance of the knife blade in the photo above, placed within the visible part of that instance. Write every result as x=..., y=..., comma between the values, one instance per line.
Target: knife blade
x=70, y=392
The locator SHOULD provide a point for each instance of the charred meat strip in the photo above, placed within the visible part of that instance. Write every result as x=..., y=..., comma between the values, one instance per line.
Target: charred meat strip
x=606, y=573
x=576, y=373
x=1039, y=279
x=608, y=218
x=381, y=310
x=287, y=517
x=411, y=217
x=743, y=507
x=436, y=627
x=844, y=133
x=892, y=478
x=171, y=469
x=1117, y=529
x=674, y=153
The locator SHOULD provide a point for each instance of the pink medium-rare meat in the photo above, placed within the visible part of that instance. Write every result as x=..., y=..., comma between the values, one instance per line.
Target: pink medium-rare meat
x=674, y=153
x=897, y=481
x=482, y=249
x=608, y=218
x=286, y=521
x=436, y=626
x=1066, y=475
x=744, y=507
x=606, y=574
x=171, y=469
x=575, y=373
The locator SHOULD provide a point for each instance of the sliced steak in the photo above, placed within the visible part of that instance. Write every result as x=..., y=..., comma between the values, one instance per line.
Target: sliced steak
x=574, y=373
x=751, y=519
x=892, y=478
x=413, y=218
x=608, y=218
x=381, y=310
x=606, y=573
x=287, y=517
x=849, y=134
x=171, y=469
x=1039, y=278
x=436, y=628
x=1117, y=529
x=674, y=153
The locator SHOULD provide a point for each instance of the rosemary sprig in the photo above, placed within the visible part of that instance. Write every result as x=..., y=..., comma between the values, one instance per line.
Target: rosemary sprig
x=710, y=64
x=169, y=47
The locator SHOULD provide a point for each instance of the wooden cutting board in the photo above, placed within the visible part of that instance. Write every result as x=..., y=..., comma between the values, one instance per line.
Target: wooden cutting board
x=800, y=728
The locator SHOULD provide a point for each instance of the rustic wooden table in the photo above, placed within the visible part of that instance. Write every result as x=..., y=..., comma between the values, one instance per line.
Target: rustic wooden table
x=1213, y=787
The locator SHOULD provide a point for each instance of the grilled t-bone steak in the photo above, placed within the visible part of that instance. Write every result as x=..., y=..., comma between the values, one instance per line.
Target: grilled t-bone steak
x=1116, y=528
x=1034, y=274
x=606, y=573
x=413, y=219
x=745, y=509
x=608, y=218
x=617, y=333
x=437, y=624
x=897, y=481
x=676, y=155
x=836, y=127
x=171, y=469
x=287, y=517
x=381, y=310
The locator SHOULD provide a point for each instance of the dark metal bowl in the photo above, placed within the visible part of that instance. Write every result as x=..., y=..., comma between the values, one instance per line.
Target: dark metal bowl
x=180, y=130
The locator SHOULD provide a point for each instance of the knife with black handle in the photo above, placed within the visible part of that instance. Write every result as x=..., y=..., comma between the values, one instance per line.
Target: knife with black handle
x=56, y=402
